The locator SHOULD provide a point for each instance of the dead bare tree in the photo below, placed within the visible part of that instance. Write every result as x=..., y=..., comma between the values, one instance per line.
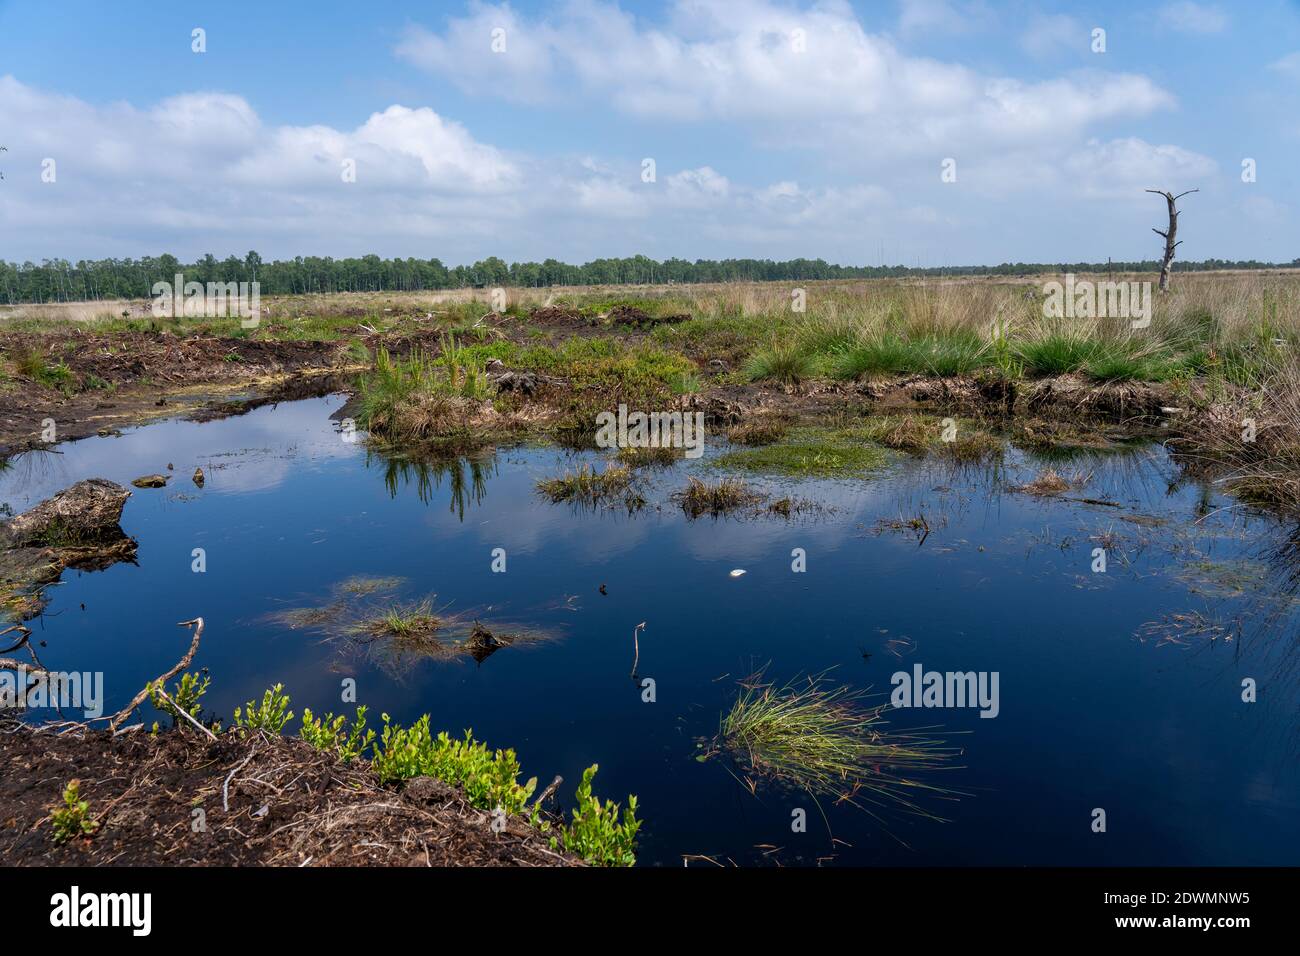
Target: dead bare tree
x=1170, y=243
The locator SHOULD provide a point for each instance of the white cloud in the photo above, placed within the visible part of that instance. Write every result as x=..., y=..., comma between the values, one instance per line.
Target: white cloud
x=1188, y=17
x=1288, y=65
x=1123, y=167
x=202, y=172
x=741, y=61
x=1050, y=35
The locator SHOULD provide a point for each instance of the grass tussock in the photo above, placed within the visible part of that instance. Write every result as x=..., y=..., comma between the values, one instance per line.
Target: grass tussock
x=659, y=457
x=715, y=498
x=586, y=485
x=972, y=448
x=822, y=739
x=907, y=433
x=763, y=430
x=1050, y=483
x=402, y=622
x=783, y=362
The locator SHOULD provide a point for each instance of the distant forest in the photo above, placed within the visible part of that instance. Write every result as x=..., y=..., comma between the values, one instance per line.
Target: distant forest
x=57, y=280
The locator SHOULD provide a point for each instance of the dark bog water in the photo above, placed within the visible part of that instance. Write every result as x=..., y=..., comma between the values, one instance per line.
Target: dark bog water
x=1099, y=706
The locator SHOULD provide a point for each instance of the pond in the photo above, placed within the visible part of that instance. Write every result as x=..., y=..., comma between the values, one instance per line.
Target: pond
x=1119, y=690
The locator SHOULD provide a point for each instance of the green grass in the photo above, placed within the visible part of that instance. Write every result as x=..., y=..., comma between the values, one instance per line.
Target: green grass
x=1055, y=354
x=586, y=485
x=804, y=459
x=821, y=739
x=874, y=356
x=715, y=498
x=403, y=622
x=781, y=362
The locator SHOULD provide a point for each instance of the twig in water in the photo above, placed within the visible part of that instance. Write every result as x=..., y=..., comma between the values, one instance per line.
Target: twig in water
x=183, y=663
x=636, y=644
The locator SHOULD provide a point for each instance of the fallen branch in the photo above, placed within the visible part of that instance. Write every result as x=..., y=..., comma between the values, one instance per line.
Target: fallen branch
x=183, y=663
x=181, y=710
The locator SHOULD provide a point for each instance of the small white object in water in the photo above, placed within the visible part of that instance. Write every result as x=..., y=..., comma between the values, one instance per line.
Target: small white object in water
x=738, y=572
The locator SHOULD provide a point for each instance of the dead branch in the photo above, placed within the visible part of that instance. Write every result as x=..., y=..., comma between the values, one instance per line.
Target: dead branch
x=181, y=710
x=183, y=663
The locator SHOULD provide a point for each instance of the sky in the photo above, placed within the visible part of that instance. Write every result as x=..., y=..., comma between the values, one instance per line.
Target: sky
x=912, y=132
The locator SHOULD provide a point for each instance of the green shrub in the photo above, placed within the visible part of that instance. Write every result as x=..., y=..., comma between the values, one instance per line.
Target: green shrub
x=596, y=833
x=270, y=715
x=329, y=733
x=489, y=778
x=73, y=818
x=187, y=694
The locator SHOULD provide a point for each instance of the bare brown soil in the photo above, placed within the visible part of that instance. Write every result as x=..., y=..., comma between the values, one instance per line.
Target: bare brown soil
x=264, y=800
x=124, y=378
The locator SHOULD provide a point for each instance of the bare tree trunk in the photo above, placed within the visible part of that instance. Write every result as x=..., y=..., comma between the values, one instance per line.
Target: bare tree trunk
x=1170, y=243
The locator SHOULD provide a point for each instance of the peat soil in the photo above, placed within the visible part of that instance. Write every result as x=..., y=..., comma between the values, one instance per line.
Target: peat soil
x=176, y=799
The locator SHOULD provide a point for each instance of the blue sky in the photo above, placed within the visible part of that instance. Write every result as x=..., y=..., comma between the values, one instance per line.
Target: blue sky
x=777, y=129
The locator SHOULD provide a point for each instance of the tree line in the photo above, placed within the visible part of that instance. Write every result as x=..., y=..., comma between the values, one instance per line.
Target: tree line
x=58, y=280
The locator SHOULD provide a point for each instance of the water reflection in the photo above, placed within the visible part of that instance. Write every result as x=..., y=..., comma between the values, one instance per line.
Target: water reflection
x=466, y=476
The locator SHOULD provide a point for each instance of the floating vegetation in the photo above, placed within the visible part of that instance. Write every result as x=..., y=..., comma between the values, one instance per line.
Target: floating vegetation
x=917, y=524
x=404, y=622
x=1225, y=579
x=1185, y=627
x=366, y=616
x=805, y=460
x=823, y=740
x=364, y=586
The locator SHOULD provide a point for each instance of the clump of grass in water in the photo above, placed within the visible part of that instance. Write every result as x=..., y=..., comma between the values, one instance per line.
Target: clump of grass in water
x=653, y=457
x=1051, y=483
x=702, y=497
x=403, y=622
x=908, y=433
x=822, y=740
x=973, y=448
x=586, y=485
